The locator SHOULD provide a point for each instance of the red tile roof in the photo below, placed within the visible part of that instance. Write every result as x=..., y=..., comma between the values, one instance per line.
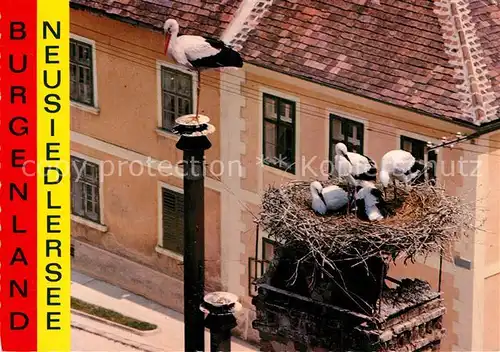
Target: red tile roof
x=207, y=17
x=402, y=52
x=394, y=52
x=487, y=24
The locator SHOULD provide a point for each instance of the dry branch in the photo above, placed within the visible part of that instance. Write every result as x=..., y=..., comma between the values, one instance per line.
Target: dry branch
x=426, y=220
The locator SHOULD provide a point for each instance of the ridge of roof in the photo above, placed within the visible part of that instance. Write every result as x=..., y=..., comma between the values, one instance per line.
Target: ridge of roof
x=462, y=44
x=245, y=20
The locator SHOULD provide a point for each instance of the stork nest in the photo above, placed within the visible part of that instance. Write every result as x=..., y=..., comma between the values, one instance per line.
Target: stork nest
x=421, y=221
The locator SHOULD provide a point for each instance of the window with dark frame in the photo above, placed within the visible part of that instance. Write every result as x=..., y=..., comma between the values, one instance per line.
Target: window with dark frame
x=346, y=131
x=176, y=95
x=254, y=270
x=419, y=149
x=85, y=187
x=268, y=251
x=279, y=133
x=173, y=221
x=81, y=72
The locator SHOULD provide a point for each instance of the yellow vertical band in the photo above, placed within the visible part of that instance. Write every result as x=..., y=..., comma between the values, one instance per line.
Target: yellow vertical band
x=53, y=180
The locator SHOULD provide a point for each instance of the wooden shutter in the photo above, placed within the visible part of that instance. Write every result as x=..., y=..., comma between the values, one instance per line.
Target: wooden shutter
x=173, y=220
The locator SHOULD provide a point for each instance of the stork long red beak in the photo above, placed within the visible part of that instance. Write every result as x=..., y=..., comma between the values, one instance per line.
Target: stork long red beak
x=167, y=42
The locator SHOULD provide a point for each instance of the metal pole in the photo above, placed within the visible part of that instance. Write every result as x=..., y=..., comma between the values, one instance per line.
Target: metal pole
x=194, y=240
x=256, y=264
x=220, y=331
x=440, y=270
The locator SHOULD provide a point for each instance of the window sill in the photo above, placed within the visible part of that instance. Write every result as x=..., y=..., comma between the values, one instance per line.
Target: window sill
x=169, y=253
x=89, y=223
x=87, y=108
x=279, y=172
x=164, y=133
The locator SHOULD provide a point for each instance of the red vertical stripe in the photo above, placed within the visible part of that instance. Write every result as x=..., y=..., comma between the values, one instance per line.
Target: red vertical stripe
x=14, y=305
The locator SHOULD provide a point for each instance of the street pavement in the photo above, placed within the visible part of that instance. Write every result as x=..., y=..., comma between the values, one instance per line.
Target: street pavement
x=85, y=341
x=168, y=338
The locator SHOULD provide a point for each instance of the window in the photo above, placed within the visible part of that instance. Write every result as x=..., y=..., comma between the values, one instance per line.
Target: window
x=268, y=248
x=349, y=132
x=82, y=72
x=279, y=133
x=173, y=220
x=419, y=149
x=254, y=270
x=177, y=96
x=85, y=187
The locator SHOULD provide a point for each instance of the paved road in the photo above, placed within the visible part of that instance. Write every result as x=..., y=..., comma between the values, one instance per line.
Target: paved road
x=85, y=341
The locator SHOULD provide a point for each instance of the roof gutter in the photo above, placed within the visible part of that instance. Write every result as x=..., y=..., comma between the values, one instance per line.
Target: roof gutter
x=488, y=128
x=463, y=123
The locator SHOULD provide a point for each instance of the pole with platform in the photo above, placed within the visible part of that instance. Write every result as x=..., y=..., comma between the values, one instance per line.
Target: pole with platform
x=220, y=308
x=193, y=143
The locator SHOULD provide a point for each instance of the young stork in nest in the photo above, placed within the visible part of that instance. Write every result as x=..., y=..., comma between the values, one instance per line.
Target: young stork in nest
x=198, y=53
x=354, y=168
x=399, y=165
x=329, y=198
x=369, y=202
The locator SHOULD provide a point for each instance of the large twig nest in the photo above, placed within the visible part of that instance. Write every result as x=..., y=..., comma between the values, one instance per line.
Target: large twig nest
x=422, y=221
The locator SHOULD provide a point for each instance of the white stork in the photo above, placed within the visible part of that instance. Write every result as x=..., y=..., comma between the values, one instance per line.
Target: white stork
x=328, y=198
x=369, y=202
x=198, y=53
x=354, y=167
x=399, y=165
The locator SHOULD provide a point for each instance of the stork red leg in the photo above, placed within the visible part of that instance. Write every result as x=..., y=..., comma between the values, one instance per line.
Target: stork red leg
x=394, y=181
x=349, y=202
x=353, y=199
x=350, y=198
x=198, y=98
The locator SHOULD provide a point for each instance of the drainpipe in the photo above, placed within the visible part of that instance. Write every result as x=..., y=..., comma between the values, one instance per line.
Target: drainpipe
x=193, y=143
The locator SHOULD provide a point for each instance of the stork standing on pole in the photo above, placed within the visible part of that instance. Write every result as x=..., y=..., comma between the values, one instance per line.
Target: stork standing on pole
x=198, y=52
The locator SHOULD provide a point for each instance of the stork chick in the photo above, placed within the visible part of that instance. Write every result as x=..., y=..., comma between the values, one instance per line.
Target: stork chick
x=369, y=202
x=329, y=198
x=353, y=167
x=399, y=165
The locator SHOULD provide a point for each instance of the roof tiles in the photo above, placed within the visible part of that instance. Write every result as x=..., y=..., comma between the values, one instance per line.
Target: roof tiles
x=394, y=52
x=207, y=17
x=402, y=52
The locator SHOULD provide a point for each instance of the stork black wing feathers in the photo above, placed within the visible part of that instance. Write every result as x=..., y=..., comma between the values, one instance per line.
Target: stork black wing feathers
x=370, y=161
x=376, y=193
x=417, y=166
x=226, y=57
x=216, y=43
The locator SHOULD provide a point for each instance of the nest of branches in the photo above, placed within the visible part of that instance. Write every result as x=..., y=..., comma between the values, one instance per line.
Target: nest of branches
x=423, y=219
